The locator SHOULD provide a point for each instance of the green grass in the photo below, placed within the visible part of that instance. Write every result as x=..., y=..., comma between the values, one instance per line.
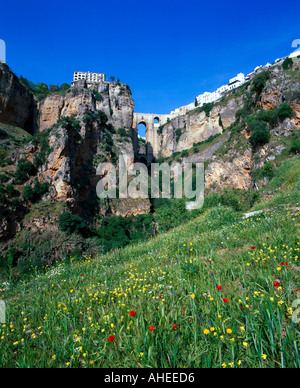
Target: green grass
x=284, y=188
x=15, y=133
x=64, y=317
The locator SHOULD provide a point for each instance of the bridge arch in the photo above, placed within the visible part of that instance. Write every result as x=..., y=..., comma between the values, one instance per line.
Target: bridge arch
x=152, y=123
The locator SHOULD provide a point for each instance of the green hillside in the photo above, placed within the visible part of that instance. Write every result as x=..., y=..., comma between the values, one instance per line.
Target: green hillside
x=219, y=291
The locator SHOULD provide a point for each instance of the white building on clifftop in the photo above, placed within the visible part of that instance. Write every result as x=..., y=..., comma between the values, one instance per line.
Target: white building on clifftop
x=207, y=97
x=89, y=77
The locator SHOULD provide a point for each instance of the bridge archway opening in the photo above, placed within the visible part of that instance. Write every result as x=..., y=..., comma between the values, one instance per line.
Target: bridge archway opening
x=156, y=121
x=142, y=129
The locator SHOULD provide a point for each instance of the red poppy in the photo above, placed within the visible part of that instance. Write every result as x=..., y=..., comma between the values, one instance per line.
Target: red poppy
x=151, y=328
x=132, y=313
x=253, y=247
x=267, y=238
x=242, y=308
x=111, y=338
x=81, y=274
x=297, y=289
x=174, y=326
x=276, y=284
x=225, y=300
x=219, y=288
x=160, y=296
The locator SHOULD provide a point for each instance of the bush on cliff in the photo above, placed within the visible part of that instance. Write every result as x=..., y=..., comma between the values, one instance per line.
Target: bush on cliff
x=260, y=134
x=24, y=170
x=71, y=223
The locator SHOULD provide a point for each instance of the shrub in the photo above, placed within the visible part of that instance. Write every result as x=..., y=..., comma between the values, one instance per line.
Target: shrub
x=287, y=64
x=64, y=87
x=285, y=111
x=172, y=215
x=34, y=193
x=68, y=122
x=206, y=108
x=71, y=223
x=295, y=146
x=122, y=132
x=178, y=134
x=10, y=190
x=42, y=140
x=267, y=171
x=88, y=117
x=260, y=80
x=270, y=116
x=98, y=96
x=101, y=117
x=184, y=153
x=24, y=169
x=259, y=138
x=260, y=134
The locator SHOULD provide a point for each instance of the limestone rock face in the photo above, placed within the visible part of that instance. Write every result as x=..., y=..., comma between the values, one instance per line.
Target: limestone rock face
x=182, y=132
x=271, y=99
x=296, y=119
x=115, y=101
x=17, y=106
x=50, y=111
x=71, y=167
x=234, y=174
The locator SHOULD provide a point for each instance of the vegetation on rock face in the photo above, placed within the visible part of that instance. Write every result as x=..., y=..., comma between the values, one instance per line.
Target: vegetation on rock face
x=260, y=134
x=41, y=90
x=211, y=287
x=287, y=63
x=35, y=192
x=68, y=122
x=24, y=170
x=71, y=223
x=260, y=80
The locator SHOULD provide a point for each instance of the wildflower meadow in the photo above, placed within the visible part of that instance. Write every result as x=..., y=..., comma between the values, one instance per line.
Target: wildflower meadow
x=218, y=292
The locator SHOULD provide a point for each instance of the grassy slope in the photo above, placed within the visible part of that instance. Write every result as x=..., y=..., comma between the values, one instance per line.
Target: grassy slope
x=63, y=318
x=13, y=135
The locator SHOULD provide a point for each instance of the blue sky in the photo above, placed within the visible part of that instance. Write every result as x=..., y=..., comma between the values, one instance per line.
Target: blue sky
x=166, y=51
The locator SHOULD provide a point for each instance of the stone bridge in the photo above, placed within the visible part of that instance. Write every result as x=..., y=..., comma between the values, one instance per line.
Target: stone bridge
x=152, y=122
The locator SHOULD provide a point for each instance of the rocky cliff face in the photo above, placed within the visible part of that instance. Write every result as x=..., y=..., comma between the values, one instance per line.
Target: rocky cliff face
x=234, y=166
x=17, y=105
x=112, y=98
x=79, y=138
x=182, y=132
x=76, y=152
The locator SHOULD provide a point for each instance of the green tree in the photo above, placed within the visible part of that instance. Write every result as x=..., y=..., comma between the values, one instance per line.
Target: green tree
x=260, y=134
x=285, y=111
x=54, y=88
x=64, y=87
x=287, y=64
x=260, y=80
x=24, y=169
x=71, y=223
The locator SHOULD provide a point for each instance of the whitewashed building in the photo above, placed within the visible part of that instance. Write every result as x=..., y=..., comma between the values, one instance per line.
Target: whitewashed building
x=89, y=77
x=207, y=97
